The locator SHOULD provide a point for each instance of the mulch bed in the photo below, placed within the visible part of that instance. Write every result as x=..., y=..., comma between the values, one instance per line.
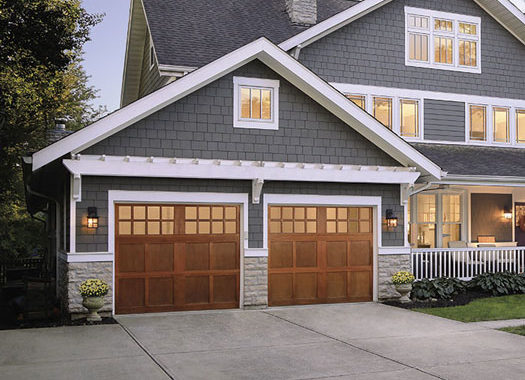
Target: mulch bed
x=459, y=300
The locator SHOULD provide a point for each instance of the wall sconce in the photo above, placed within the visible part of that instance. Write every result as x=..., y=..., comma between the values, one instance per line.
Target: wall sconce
x=391, y=219
x=92, y=219
x=507, y=213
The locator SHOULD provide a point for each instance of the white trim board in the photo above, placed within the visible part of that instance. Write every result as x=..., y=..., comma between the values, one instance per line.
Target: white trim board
x=330, y=200
x=117, y=196
x=268, y=84
x=243, y=170
x=280, y=62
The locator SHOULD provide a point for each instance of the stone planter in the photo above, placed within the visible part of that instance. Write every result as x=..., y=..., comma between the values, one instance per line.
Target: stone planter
x=404, y=290
x=93, y=304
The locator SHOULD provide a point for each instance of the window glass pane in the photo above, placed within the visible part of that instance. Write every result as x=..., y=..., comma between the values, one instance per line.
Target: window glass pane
x=451, y=208
x=426, y=208
x=451, y=232
x=409, y=118
x=426, y=235
x=465, y=28
x=358, y=100
x=443, y=25
x=256, y=103
x=501, y=124
x=418, y=47
x=520, y=126
x=418, y=22
x=467, y=53
x=478, y=123
x=266, y=104
x=383, y=111
x=443, y=50
x=245, y=103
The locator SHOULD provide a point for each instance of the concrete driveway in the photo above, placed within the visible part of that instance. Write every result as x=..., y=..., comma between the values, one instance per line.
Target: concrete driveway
x=351, y=341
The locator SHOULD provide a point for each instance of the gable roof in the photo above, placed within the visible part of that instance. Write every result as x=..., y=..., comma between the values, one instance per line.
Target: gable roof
x=503, y=11
x=279, y=61
x=193, y=33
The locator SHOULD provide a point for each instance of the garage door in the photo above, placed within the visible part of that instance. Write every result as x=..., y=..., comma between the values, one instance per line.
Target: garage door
x=320, y=254
x=176, y=257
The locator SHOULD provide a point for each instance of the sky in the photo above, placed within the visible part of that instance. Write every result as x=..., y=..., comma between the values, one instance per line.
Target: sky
x=104, y=54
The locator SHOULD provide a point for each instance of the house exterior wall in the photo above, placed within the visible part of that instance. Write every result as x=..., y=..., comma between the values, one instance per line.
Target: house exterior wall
x=95, y=193
x=201, y=126
x=444, y=121
x=150, y=78
x=371, y=51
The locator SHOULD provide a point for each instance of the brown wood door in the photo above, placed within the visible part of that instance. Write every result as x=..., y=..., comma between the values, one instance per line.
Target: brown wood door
x=320, y=254
x=176, y=257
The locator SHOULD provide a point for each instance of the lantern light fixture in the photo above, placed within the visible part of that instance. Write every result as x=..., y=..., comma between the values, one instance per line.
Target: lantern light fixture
x=92, y=219
x=391, y=219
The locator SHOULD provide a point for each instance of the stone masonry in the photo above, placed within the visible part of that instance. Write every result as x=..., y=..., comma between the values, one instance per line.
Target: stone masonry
x=255, y=281
x=388, y=265
x=302, y=12
x=72, y=275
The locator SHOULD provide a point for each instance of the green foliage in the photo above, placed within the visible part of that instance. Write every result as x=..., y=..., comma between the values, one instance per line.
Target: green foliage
x=440, y=288
x=499, y=284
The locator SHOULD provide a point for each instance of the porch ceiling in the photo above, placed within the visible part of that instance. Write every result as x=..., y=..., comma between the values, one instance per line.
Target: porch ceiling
x=475, y=160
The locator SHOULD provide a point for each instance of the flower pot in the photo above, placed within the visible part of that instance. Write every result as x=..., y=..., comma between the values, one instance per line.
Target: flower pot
x=404, y=290
x=93, y=304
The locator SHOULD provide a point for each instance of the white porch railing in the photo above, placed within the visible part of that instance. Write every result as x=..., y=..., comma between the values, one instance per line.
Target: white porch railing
x=465, y=263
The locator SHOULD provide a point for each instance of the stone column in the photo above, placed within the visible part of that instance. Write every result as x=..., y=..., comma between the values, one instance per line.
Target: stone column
x=255, y=282
x=388, y=265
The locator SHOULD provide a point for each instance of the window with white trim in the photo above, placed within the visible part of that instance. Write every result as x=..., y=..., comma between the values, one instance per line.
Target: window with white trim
x=520, y=126
x=442, y=40
x=255, y=103
x=409, y=121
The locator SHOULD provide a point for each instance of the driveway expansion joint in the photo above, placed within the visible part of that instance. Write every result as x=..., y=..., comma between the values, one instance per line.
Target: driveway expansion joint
x=356, y=347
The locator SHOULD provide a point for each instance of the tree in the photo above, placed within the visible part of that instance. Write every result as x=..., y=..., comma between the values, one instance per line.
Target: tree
x=41, y=78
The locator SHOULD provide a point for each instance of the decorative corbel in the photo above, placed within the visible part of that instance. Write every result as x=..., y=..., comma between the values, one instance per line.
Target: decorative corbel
x=404, y=194
x=257, y=185
x=77, y=187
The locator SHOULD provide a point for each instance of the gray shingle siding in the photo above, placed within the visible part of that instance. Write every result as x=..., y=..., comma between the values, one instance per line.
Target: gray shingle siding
x=444, y=120
x=201, y=125
x=371, y=51
x=95, y=193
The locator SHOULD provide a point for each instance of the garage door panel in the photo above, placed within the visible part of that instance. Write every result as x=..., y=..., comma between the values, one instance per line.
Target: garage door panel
x=305, y=254
x=336, y=253
x=282, y=254
x=360, y=253
x=197, y=256
x=197, y=289
x=224, y=289
x=159, y=258
x=281, y=287
x=359, y=284
x=131, y=258
x=306, y=286
x=131, y=292
x=160, y=291
x=224, y=256
x=336, y=285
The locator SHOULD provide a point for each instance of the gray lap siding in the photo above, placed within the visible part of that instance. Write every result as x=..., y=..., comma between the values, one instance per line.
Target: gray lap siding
x=371, y=51
x=201, y=126
x=95, y=193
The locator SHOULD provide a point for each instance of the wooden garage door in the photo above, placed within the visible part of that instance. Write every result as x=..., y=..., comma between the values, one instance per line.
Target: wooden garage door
x=176, y=257
x=320, y=254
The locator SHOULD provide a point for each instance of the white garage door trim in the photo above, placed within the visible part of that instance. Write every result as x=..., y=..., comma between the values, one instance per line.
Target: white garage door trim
x=119, y=196
x=329, y=200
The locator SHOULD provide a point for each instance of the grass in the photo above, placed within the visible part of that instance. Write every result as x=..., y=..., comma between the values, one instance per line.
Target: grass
x=520, y=330
x=483, y=309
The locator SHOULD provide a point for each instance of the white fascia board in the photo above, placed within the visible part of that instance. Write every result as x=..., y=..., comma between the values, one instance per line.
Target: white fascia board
x=237, y=170
x=173, y=70
x=507, y=14
x=276, y=59
x=331, y=24
x=480, y=180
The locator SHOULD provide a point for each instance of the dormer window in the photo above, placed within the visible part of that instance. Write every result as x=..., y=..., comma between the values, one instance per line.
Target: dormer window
x=440, y=40
x=256, y=103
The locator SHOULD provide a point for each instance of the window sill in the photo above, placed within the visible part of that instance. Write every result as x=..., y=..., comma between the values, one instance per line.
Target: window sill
x=273, y=126
x=472, y=70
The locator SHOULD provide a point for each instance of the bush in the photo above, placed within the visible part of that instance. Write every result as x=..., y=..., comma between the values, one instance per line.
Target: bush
x=499, y=284
x=443, y=288
x=402, y=278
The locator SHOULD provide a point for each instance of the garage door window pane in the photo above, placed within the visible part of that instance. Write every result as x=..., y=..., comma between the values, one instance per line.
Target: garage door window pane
x=191, y=213
x=124, y=212
x=139, y=212
x=153, y=228
x=153, y=212
x=168, y=213
x=190, y=227
x=124, y=228
x=139, y=228
x=167, y=228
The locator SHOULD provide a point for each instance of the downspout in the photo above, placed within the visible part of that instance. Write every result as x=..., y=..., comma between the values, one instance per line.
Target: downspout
x=296, y=51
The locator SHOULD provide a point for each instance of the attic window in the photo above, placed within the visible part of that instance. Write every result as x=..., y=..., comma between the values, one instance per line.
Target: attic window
x=151, y=55
x=255, y=103
x=440, y=40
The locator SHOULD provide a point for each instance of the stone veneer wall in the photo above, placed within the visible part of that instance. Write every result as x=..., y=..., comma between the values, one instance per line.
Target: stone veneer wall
x=388, y=265
x=255, y=281
x=72, y=274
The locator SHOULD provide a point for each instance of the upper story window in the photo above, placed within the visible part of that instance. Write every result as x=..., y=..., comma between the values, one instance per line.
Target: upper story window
x=520, y=126
x=409, y=112
x=255, y=103
x=383, y=111
x=151, y=55
x=442, y=40
x=358, y=100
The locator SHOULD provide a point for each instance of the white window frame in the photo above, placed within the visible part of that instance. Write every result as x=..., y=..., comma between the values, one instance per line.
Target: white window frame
x=270, y=84
x=439, y=215
x=490, y=124
x=455, y=35
x=152, y=58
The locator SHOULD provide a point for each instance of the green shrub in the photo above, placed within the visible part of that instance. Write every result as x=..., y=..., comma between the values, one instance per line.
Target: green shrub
x=499, y=284
x=443, y=288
